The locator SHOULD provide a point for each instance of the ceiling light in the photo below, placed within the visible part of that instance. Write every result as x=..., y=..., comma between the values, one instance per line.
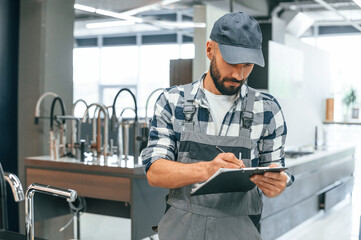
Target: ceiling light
x=108, y=13
x=358, y=2
x=299, y=24
x=166, y=2
x=181, y=25
x=118, y=15
x=149, y=7
x=108, y=24
x=84, y=8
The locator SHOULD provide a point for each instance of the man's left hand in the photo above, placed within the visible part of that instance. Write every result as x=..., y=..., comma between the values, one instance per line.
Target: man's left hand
x=272, y=184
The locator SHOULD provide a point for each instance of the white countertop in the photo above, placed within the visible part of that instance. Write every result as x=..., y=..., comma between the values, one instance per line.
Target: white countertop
x=290, y=162
x=112, y=161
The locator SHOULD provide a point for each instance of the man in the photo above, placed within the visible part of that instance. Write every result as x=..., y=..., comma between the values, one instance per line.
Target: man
x=217, y=110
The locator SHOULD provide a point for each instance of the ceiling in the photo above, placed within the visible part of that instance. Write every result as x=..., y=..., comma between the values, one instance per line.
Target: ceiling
x=345, y=12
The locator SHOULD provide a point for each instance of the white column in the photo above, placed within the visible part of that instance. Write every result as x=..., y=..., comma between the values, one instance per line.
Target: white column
x=45, y=64
x=207, y=14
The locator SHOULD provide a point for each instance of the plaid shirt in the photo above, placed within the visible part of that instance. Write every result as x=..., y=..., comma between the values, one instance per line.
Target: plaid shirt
x=268, y=130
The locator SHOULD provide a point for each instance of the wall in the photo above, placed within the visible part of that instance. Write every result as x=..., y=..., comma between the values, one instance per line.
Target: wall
x=304, y=90
x=207, y=14
x=45, y=64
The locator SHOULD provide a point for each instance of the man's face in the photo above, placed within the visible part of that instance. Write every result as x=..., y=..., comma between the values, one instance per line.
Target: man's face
x=228, y=78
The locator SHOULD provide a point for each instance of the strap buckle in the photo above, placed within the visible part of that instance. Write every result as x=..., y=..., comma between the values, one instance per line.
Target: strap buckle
x=189, y=110
x=247, y=119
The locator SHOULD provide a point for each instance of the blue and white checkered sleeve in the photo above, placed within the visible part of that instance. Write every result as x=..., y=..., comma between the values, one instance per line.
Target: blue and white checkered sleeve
x=162, y=140
x=271, y=145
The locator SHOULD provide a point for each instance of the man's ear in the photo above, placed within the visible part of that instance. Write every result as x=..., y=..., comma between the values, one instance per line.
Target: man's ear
x=210, y=49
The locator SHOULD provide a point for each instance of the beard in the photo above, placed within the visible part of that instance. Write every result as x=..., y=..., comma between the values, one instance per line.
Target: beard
x=220, y=83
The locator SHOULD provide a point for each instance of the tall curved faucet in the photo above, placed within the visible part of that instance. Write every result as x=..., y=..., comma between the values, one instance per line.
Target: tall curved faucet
x=123, y=146
x=72, y=132
x=146, y=105
x=37, y=108
x=114, y=114
x=53, y=145
x=145, y=126
x=69, y=194
x=76, y=103
x=106, y=119
x=62, y=106
x=96, y=129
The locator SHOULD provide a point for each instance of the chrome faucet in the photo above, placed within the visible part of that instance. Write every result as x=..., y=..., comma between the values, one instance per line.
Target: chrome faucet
x=115, y=121
x=17, y=190
x=146, y=105
x=123, y=132
x=69, y=194
x=56, y=145
x=145, y=126
x=106, y=119
x=37, y=108
x=15, y=185
x=75, y=136
x=114, y=114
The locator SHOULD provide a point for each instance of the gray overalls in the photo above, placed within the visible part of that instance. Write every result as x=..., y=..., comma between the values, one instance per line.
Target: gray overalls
x=227, y=216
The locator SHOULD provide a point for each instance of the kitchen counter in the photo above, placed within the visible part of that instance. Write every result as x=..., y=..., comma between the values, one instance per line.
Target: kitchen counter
x=111, y=166
x=322, y=179
x=317, y=154
x=114, y=188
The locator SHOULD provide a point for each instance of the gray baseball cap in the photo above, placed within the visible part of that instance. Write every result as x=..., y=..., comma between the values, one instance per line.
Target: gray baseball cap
x=239, y=38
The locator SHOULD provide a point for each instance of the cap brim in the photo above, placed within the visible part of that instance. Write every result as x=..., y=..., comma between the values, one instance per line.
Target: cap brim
x=237, y=55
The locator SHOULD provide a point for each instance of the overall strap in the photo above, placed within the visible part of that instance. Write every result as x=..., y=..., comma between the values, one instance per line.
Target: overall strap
x=247, y=113
x=188, y=109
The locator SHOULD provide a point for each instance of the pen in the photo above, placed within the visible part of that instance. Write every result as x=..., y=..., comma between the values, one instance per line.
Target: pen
x=220, y=149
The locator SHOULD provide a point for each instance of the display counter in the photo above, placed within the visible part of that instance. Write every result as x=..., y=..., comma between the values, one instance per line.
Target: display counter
x=111, y=188
x=322, y=180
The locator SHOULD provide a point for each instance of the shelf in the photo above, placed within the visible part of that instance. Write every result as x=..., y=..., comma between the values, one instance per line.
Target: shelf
x=342, y=123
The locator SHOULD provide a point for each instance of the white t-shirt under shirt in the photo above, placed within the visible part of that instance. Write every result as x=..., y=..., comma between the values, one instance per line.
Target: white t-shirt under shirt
x=219, y=106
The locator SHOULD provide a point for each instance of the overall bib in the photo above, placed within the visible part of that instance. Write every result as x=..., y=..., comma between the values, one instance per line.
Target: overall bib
x=226, y=216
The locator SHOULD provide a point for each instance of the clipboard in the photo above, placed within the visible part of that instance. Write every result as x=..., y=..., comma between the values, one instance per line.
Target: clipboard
x=227, y=180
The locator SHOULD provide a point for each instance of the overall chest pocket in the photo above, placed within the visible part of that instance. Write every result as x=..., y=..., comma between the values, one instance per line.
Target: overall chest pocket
x=202, y=152
x=206, y=152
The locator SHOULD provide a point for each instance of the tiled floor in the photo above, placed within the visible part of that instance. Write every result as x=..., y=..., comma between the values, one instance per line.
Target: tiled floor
x=341, y=223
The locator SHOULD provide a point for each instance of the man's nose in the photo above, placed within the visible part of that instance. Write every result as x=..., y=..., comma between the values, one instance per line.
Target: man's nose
x=238, y=73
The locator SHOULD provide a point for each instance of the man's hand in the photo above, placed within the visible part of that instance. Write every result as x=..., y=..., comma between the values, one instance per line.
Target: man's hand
x=224, y=160
x=272, y=184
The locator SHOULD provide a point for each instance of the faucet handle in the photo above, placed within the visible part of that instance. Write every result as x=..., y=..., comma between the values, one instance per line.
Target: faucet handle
x=15, y=185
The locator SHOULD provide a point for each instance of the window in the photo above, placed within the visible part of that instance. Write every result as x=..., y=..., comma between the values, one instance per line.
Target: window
x=99, y=73
x=344, y=64
x=86, y=75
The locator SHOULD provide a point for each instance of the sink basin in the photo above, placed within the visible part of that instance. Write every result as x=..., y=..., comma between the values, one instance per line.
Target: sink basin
x=296, y=154
x=8, y=235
